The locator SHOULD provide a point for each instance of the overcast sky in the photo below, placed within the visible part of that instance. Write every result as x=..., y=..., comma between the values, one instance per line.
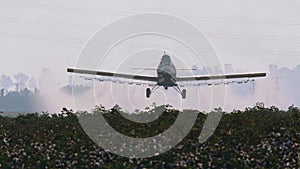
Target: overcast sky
x=250, y=35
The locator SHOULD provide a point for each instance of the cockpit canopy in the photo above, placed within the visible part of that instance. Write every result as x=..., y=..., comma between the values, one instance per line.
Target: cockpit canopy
x=166, y=59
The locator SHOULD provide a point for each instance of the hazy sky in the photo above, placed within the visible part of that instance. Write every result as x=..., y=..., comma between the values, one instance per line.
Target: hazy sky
x=249, y=34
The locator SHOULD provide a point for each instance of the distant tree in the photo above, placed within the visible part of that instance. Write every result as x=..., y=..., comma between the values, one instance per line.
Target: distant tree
x=5, y=82
x=32, y=84
x=21, y=80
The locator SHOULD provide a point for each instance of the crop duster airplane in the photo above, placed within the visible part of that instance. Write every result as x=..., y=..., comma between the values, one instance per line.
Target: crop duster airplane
x=166, y=76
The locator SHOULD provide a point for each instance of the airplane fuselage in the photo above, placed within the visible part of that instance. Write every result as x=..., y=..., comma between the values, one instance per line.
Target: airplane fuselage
x=166, y=72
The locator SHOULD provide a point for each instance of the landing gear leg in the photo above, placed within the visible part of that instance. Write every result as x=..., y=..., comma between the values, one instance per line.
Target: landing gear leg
x=182, y=93
x=149, y=91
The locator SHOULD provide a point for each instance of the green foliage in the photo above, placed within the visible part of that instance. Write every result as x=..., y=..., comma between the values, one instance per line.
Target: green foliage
x=258, y=137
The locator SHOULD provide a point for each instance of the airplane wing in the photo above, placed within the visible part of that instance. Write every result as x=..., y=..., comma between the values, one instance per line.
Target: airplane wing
x=140, y=68
x=111, y=74
x=219, y=77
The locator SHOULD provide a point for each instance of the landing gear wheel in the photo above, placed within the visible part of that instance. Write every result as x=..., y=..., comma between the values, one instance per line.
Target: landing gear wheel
x=183, y=93
x=148, y=92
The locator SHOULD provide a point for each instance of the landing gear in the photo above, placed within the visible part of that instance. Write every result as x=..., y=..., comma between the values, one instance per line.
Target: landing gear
x=183, y=93
x=148, y=92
